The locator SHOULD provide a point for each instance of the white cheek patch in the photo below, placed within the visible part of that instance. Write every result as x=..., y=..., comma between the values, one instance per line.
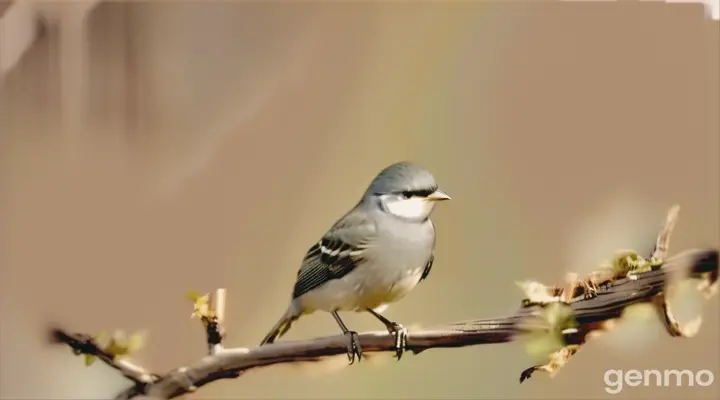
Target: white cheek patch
x=414, y=207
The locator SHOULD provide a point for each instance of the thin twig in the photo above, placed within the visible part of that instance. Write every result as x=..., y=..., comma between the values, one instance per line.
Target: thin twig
x=214, y=322
x=81, y=343
x=662, y=244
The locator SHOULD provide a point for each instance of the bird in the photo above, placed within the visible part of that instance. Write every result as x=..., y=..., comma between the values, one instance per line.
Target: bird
x=372, y=256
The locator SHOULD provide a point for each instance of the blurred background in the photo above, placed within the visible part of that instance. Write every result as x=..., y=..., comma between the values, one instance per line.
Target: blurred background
x=147, y=149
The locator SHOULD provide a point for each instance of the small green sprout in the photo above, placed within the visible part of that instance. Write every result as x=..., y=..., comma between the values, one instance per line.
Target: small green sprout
x=546, y=338
x=201, y=305
x=119, y=345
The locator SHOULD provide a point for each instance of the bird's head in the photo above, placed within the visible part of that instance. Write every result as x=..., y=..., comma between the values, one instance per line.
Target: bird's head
x=406, y=190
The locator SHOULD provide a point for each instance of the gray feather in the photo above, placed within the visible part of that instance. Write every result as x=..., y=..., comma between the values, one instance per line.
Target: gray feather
x=338, y=253
x=402, y=176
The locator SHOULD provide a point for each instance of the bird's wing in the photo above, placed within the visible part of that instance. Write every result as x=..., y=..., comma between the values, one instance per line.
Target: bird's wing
x=431, y=260
x=337, y=253
x=428, y=267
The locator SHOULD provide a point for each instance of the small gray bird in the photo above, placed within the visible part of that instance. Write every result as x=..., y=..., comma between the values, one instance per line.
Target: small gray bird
x=373, y=256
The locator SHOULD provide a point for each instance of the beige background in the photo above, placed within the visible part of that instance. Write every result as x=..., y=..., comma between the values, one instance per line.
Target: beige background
x=223, y=139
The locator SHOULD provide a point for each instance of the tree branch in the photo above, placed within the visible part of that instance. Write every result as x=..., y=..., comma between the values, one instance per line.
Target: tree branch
x=85, y=344
x=590, y=314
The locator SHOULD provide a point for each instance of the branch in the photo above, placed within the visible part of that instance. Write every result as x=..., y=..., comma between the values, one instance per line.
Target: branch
x=588, y=313
x=85, y=344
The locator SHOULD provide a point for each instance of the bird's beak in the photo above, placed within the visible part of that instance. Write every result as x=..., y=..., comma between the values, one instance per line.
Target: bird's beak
x=438, y=195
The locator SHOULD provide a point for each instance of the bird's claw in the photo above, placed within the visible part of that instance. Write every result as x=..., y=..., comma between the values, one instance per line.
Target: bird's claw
x=400, y=333
x=353, y=347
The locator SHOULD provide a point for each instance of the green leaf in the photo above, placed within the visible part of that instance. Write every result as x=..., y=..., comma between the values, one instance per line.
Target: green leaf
x=89, y=359
x=559, y=317
x=201, y=305
x=118, y=344
x=136, y=342
x=193, y=295
x=99, y=337
x=541, y=346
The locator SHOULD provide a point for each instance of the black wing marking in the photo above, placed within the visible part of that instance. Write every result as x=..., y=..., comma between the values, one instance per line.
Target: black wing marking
x=338, y=253
x=322, y=266
x=431, y=260
x=428, y=267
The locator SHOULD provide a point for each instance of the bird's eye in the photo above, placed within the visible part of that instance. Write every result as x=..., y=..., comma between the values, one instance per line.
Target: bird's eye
x=406, y=194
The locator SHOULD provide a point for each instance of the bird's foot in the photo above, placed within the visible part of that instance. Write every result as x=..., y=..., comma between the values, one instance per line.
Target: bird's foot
x=353, y=347
x=400, y=333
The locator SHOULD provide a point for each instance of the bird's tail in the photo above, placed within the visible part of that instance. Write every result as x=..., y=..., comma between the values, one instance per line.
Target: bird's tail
x=281, y=327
